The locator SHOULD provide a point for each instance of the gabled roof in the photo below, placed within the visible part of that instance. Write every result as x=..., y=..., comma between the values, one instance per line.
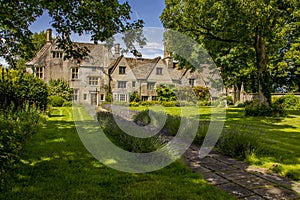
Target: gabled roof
x=142, y=68
x=114, y=64
x=53, y=47
x=39, y=54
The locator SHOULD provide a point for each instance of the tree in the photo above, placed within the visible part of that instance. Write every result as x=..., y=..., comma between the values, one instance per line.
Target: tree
x=29, y=51
x=101, y=19
x=261, y=25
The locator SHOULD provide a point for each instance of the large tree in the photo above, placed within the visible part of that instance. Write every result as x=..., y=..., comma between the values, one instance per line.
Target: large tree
x=99, y=18
x=261, y=25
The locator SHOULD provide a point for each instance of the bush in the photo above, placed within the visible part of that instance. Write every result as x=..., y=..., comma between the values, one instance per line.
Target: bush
x=241, y=142
x=134, y=97
x=289, y=102
x=108, y=97
x=202, y=93
x=272, y=110
x=56, y=101
x=60, y=88
x=19, y=89
x=124, y=140
x=16, y=127
x=229, y=100
x=67, y=104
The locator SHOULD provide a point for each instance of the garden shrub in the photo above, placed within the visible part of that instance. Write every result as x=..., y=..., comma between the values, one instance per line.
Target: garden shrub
x=124, y=140
x=67, y=104
x=16, y=127
x=202, y=93
x=56, y=101
x=166, y=93
x=134, y=97
x=229, y=100
x=241, y=142
x=204, y=103
x=289, y=101
x=60, y=88
x=19, y=89
x=263, y=109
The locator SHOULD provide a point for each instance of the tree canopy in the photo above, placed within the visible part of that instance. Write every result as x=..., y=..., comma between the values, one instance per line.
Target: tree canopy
x=100, y=18
x=261, y=26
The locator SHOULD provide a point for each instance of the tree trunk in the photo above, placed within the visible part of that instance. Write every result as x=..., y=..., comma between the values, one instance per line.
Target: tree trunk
x=264, y=84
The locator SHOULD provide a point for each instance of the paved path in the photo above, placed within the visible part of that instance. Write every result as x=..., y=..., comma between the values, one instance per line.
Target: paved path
x=239, y=179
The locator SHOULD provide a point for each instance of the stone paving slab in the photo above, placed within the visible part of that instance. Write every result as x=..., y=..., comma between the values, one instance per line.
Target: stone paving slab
x=235, y=175
x=239, y=179
x=252, y=183
x=254, y=197
x=276, y=193
x=214, y=178
x=235, y=190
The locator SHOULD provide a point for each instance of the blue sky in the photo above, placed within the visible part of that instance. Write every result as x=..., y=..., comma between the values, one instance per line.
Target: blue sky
x=148, y=10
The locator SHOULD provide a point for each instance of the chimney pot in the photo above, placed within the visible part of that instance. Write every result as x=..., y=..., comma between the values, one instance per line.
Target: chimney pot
x=117, y=50
x=49, y=35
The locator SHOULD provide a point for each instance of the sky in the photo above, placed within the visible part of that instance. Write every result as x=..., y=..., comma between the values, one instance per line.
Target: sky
x=147, y=10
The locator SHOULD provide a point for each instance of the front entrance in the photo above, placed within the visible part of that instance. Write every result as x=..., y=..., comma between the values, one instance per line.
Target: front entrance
x=94, y=100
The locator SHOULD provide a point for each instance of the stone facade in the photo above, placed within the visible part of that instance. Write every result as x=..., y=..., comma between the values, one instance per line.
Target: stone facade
x=91, y=77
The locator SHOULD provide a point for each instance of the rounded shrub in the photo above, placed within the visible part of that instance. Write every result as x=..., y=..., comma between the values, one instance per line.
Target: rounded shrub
x=271, y=110
x=56, y=101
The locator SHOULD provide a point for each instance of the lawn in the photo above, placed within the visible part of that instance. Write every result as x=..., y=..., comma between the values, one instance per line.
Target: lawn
x=55, y=165
x=281, y=136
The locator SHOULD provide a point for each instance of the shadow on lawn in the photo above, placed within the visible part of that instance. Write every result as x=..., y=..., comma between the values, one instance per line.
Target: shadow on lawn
x=55, y=165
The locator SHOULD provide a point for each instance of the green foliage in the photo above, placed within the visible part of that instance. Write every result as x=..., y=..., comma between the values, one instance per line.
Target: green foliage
x=229, y=100
x=108, y=97
x=271, y=110
x=16, y=127
x=101, y=19
x=241, y=142
x=134, y=97
x=19, y=89
x=56, y=101
x=202, y=93
x=60, y=88
x=289, y=101
x=238, y=35
x=166, y=93
x=122, y=139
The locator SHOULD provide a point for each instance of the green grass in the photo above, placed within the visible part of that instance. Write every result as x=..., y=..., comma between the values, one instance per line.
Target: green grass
x=281, y=136
x=55, y=165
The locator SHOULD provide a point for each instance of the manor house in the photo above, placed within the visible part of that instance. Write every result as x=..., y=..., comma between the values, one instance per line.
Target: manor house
x=106, y=69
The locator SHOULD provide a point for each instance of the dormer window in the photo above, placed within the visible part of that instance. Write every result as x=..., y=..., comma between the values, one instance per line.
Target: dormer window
x=57, y=54
x=122, y=70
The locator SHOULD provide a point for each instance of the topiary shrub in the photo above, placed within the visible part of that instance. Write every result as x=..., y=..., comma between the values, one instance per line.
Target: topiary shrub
x=56, y=101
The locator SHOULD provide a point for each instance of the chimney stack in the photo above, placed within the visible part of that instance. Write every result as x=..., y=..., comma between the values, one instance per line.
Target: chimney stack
x=117, y=50
x=49, y=35
x=168, y=57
